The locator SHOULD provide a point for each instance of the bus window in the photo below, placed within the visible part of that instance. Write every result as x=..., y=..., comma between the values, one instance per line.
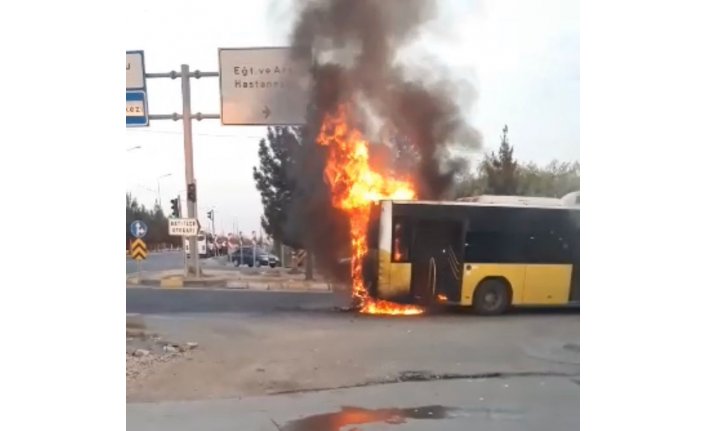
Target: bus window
x=548, y=247
x=400, y=241
x=493, y=247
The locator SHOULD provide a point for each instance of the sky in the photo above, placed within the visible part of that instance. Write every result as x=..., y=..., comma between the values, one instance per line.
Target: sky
x=521, y=56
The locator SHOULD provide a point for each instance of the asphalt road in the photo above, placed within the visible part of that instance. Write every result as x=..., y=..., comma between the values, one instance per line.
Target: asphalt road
x=156, y=262
x=287, y=361
x=164, y=301
x=507, y=404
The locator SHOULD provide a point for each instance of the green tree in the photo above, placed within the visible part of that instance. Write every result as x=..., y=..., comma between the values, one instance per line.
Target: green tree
x=158, y=232
x=471, y=184
x=275, y=181
x=554, y=180
x=501, y=174
x=500, y=170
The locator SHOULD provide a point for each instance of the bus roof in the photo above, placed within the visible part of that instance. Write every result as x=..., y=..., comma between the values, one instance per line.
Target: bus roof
x=514, y=200
x=512, y=204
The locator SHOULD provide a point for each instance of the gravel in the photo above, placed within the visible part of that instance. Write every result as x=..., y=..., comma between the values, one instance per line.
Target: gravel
x=146, y=351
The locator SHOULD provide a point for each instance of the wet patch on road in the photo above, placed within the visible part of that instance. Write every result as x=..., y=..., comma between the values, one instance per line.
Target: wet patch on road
x=347, y=416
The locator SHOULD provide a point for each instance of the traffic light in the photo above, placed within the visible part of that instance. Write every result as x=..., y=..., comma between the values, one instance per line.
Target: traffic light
x=191, y=192
x=175, y=207
x=210, y=215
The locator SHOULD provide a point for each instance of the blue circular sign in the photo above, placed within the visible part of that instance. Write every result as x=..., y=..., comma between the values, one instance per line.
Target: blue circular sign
x=138, y=228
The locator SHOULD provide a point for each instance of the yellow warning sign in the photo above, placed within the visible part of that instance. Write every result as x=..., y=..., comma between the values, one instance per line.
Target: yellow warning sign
x=138, y=249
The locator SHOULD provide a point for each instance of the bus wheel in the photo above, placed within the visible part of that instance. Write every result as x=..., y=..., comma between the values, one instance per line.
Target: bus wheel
x=491, y=297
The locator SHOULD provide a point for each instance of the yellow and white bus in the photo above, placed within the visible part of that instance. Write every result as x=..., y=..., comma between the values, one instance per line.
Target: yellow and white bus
x=489, y=256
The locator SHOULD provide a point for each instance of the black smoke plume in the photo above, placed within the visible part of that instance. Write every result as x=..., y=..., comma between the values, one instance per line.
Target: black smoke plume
x=354, y=47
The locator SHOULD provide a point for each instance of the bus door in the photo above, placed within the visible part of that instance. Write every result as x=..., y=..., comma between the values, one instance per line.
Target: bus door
x=437, y=261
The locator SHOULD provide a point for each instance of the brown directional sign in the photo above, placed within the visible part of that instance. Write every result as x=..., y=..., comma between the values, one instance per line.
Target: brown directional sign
x=138, y=250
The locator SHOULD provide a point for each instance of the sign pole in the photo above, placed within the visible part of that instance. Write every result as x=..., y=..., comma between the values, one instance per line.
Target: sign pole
x=183, y=240
x=183, y=253
x=191, y=208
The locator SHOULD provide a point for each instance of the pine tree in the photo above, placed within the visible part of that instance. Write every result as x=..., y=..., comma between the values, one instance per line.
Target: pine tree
x=275, y=181
x=501, y=170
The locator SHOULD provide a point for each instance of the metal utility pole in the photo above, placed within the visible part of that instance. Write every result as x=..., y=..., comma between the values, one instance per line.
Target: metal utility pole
x=191, y=267
x=191, y=208
x=185, y=262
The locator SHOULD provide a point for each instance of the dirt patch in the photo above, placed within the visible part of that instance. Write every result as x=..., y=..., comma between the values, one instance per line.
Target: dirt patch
x=144, y=352
x=253, y=354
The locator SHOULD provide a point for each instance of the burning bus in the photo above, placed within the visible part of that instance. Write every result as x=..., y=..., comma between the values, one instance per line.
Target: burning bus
x=488, y=256
x=389, y=144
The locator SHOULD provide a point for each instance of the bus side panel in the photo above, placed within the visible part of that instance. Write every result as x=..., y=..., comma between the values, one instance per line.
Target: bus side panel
x=400, y=280
x=383, y=275
x=394, y=279
x=547, y=284
x=474, y=273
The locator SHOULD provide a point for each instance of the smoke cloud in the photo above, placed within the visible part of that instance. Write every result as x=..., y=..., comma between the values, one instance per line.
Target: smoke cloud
x=354, y=47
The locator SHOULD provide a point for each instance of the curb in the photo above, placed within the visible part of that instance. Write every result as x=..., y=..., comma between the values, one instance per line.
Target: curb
x=214, y=282
x=171, y=282
x=176, y=282
x=236, y=285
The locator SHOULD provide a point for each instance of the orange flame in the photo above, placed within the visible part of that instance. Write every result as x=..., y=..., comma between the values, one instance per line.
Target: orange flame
x=355, y=186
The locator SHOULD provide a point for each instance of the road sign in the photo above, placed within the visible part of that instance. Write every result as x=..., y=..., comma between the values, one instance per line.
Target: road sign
x=135, y=70
x=262, y=86
x=138, y=228
x=138, y=249
x=136, y=109
x=136, y=113
x=183, y=227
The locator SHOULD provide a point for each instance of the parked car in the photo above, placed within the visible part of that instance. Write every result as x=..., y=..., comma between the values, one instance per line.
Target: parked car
x=273, y=260
x=263, y=258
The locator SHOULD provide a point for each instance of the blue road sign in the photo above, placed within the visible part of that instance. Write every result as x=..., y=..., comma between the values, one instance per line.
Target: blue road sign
x=136, y=112
x=138, y=228
x=136, y=109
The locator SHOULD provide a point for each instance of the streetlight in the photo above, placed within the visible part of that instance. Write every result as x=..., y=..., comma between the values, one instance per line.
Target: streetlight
x=136, y=147
x=159, y=192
